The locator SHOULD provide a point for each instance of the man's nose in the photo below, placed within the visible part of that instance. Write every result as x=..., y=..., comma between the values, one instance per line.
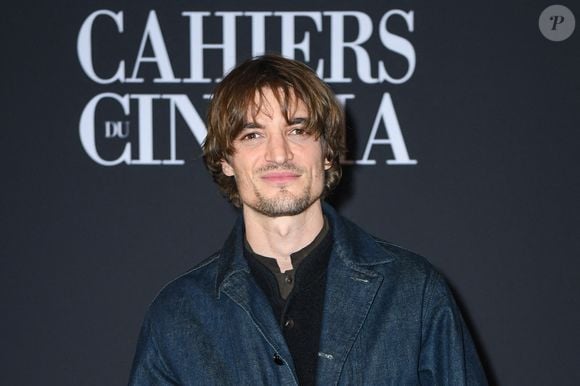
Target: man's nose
x=278, y=149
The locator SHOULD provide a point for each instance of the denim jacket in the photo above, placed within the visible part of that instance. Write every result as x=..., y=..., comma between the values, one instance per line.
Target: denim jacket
x=388, y=319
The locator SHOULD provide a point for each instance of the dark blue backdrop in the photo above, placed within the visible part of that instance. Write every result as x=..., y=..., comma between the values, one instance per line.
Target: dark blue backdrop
x=490, y=113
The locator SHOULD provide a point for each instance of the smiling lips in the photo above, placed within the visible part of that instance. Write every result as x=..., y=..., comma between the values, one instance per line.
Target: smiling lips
x=280, y=177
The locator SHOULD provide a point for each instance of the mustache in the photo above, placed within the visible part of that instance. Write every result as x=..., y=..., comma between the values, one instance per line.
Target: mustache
x=286, y=166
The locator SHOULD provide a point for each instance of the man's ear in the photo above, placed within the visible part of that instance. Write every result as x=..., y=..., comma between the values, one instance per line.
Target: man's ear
x=227, y=169
x=327, y=164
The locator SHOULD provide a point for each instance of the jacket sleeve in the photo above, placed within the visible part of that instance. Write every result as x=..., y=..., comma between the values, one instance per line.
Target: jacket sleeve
x=448, y=355
x=149, y=368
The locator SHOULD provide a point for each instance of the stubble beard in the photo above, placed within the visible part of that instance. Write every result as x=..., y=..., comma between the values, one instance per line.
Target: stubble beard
x=283, y=204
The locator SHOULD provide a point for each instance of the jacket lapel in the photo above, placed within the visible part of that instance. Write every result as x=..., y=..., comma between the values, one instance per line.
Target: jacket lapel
x=241, y=288
x=235, y=280
x=349, y=296
x=351, y=287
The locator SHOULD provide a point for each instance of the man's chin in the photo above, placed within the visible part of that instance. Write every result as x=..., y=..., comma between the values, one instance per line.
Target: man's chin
x=281, y=206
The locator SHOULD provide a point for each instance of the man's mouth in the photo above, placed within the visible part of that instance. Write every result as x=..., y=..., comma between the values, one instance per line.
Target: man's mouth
x=280, y=177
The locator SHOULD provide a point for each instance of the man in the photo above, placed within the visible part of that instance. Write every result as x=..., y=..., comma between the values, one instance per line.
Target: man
x=297, y=294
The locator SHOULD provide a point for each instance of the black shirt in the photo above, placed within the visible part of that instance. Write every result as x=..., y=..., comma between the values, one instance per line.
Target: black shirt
x=297, y=298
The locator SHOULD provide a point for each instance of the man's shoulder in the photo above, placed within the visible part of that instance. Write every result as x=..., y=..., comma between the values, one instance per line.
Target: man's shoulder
x=410, y=273
x=404, y=260
x=196, y=283
x=369, y=250
x=402, y=255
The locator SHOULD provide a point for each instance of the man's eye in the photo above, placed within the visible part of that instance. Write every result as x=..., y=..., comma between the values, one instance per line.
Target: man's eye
x=298, y=131
x=249, y=136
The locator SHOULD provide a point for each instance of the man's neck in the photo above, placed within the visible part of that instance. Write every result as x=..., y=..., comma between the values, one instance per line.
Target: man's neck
x=278, y=237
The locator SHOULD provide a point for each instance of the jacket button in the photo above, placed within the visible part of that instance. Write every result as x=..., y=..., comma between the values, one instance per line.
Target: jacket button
x=278, y=360
x=289, y=324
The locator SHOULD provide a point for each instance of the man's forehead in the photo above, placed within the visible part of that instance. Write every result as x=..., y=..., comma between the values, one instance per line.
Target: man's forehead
x=266, y=102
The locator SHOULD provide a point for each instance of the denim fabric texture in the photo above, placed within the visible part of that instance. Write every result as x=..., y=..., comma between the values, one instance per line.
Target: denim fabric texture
x=389, y=319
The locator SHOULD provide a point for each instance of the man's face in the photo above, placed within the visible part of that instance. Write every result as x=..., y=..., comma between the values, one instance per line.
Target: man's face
x=278, y=167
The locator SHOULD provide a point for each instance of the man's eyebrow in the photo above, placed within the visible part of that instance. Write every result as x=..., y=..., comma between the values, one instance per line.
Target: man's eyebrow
x=297, y=120
x=252, y=125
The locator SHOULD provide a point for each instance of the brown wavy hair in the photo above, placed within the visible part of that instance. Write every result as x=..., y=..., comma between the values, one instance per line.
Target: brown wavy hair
x=235, y=96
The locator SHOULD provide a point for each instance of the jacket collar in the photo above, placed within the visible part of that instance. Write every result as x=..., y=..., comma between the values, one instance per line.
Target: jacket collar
x=353, y=245
x=356, y=248
x=232, y=259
